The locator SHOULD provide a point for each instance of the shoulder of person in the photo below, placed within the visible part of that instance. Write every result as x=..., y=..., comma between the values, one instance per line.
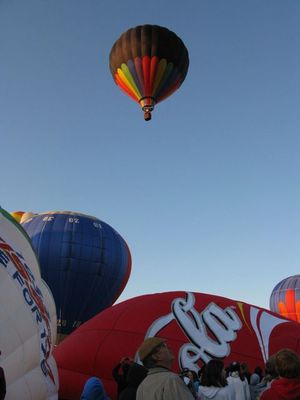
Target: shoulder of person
x=266, y=395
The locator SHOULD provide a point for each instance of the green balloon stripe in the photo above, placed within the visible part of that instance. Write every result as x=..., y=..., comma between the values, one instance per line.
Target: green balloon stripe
x=130, y=79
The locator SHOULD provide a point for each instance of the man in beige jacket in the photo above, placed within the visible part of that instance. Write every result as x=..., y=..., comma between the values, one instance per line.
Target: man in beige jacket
x=160, y=383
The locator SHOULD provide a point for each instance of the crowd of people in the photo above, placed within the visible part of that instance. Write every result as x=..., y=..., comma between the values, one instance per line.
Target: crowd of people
x=154, y=379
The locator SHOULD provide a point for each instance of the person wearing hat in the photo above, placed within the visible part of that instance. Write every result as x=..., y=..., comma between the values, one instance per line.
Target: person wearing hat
x=160, y=383
x=94, y=390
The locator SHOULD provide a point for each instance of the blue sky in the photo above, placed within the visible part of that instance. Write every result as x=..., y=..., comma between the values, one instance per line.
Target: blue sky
x=207, y=194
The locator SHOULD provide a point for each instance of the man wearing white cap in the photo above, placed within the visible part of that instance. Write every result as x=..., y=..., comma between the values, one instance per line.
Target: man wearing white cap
x=160, y=383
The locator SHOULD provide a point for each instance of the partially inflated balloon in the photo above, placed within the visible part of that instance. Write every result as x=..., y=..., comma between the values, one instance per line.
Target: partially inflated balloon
x=198, y=327
x=149, y=63
x=17, y=215
x=85, y=262
x=27, y=318
x=285, y=298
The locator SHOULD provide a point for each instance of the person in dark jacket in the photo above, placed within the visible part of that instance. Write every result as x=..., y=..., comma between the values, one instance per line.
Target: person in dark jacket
x=94, y=390
x=120, y=372
x=287, y=386
x=2, y=383
x=245, y=371
x=136, y=374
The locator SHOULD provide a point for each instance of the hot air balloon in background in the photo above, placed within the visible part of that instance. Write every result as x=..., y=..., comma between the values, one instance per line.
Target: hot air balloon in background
x=285, y=298
x=17, y=215
x=85, y=262
x=149, y=63
x=27, y=318
x=198, y=327
x=20, y=216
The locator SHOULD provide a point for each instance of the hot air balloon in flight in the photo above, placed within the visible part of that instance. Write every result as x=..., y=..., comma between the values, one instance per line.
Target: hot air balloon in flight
x=85, y=262
x=27, y=318
x=285, y=298
x=149, y=63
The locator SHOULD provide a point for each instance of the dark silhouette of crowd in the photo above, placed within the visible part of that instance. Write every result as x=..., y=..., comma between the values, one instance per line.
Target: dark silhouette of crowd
x=136, y=374
x=151, y=378
x=2, y=383
x=120, y=372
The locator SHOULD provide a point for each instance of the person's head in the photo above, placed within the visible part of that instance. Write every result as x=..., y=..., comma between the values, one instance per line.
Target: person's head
x=125, y=368
x=271, y=369
x=190, y=375
x=235, y=370
x=287, y=363
x=235, y=367
x=125, y=365
x=244, y=368
x=184, y=372
x=195, y=375
x=214, y=374
x=258, y=371
x=187, y=373
x=93, y=389
x=155, y=352
x=126, y=360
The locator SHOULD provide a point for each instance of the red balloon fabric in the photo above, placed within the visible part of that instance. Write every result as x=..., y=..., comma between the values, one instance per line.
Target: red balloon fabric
x=198, y=327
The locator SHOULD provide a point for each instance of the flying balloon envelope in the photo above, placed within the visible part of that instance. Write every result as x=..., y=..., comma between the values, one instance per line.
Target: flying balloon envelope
x=285, y=298
x=198, y=327
x=85, y=262
x=27, y=318
x=148, y=63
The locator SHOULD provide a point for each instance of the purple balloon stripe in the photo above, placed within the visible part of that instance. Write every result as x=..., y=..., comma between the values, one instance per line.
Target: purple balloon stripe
x=171, y=79
x=132, y=69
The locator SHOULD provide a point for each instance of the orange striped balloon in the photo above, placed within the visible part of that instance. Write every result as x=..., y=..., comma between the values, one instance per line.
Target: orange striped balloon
x=285, y=298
